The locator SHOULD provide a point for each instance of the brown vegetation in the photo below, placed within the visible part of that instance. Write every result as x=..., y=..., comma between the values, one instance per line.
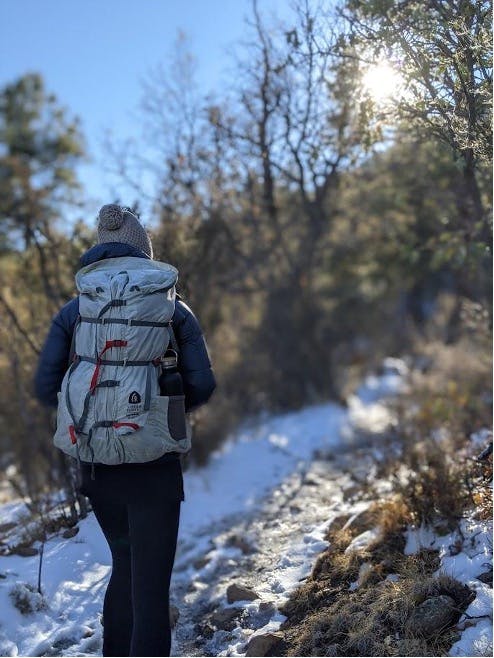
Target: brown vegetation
x=324, y=615
x=436, y=480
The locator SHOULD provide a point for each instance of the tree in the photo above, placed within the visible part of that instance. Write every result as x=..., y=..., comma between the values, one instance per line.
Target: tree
x=39, y=149
x=442, y=50
x=281, y=220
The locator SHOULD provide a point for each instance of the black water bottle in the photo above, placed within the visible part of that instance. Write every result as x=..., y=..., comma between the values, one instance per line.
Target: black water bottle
x=170, y=380
x=171, y=385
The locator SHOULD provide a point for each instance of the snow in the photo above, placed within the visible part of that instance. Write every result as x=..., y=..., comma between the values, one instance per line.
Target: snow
x=464, y=554
x=74, y=577
x=253, y=462
x=418, y=538
x=363, y=540
x=392, y=380
x=371, y=417
x=264, y=459
x=481, y=439
x=476, y=640
x=364, y=570
x=297, y=563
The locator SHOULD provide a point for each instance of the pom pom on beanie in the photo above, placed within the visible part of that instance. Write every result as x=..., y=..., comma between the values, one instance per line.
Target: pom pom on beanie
x=117, y=224
x=110, y=217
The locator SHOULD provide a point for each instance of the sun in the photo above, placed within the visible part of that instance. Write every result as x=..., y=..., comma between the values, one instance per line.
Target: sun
x=382, y=82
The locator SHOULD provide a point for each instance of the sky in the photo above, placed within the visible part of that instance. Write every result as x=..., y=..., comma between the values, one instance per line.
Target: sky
x=93, y=55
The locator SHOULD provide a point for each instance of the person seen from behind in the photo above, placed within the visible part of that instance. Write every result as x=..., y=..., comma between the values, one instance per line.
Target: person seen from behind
x=124, y=361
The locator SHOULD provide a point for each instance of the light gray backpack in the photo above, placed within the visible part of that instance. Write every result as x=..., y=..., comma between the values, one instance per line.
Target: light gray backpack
x=110, y=410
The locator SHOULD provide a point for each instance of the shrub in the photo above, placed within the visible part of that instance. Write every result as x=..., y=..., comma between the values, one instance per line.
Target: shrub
x=27, y=599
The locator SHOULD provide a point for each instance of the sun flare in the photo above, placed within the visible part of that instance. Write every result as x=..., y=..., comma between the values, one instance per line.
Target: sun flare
x=382, y=82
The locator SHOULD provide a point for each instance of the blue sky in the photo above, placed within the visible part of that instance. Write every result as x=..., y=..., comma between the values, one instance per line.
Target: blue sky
x=93, y=55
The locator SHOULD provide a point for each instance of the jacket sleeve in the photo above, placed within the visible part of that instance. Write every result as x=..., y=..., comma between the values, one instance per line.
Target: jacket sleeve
x=194, y=363
x=54, y=357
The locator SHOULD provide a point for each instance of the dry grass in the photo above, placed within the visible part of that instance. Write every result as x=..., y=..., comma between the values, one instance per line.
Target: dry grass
x=433, y=466
x=435, y=480
x=27, y=599
x=326, y=618
x=435, y=488
x=368, y=622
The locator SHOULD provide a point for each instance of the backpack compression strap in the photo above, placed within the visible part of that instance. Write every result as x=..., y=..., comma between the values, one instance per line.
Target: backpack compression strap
x=132, y=323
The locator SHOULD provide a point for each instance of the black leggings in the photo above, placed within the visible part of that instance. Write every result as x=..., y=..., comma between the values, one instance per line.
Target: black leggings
x=142, y=536
x=142, y=541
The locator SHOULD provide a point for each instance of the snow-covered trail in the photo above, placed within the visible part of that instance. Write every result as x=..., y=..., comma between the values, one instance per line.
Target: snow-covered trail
x=269, y=552
x=261, y=488
x=255, y=517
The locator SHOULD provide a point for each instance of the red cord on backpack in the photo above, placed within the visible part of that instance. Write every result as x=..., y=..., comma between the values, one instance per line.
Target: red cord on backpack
x=73, y=436
x=134, y=426
x=108, y=345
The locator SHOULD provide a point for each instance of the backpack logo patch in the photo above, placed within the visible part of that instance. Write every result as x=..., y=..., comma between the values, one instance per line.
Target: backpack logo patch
x=134, y=398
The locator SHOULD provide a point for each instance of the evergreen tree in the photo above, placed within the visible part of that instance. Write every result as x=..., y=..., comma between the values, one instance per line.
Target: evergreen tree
x=442, y=50
x=39, y=150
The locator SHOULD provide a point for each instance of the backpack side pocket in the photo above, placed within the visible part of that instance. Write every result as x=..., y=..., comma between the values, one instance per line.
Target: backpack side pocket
x=176, y=417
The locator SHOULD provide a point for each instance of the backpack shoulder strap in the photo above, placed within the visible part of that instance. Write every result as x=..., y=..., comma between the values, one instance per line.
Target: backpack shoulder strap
x=173, y=338
x=72, y=340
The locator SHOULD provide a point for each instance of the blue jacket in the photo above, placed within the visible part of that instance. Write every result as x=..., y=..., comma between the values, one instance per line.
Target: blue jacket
x=194, y=364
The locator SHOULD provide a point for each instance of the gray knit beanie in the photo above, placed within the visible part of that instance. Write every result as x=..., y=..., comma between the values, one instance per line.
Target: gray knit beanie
x=118, y=224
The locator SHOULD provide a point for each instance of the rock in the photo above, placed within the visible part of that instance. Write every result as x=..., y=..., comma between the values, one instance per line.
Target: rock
x=195, y=586
x=25, y=551
x=239, y=593
x=240, y=542
x=174, y=615
x=486, y=577
x=260, y=645
x=224, y=618
x=324, y=455
x=258, y=618
x=351, y=491
x=201, y=562
x=70, y=532
x=206, y=630
x=5, y=527
x=433, y=615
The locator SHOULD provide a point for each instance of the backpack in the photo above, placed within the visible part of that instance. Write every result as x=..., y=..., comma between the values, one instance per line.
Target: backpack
x=110, y=410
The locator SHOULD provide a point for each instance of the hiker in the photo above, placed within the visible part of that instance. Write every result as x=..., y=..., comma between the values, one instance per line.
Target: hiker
x=135, y=494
